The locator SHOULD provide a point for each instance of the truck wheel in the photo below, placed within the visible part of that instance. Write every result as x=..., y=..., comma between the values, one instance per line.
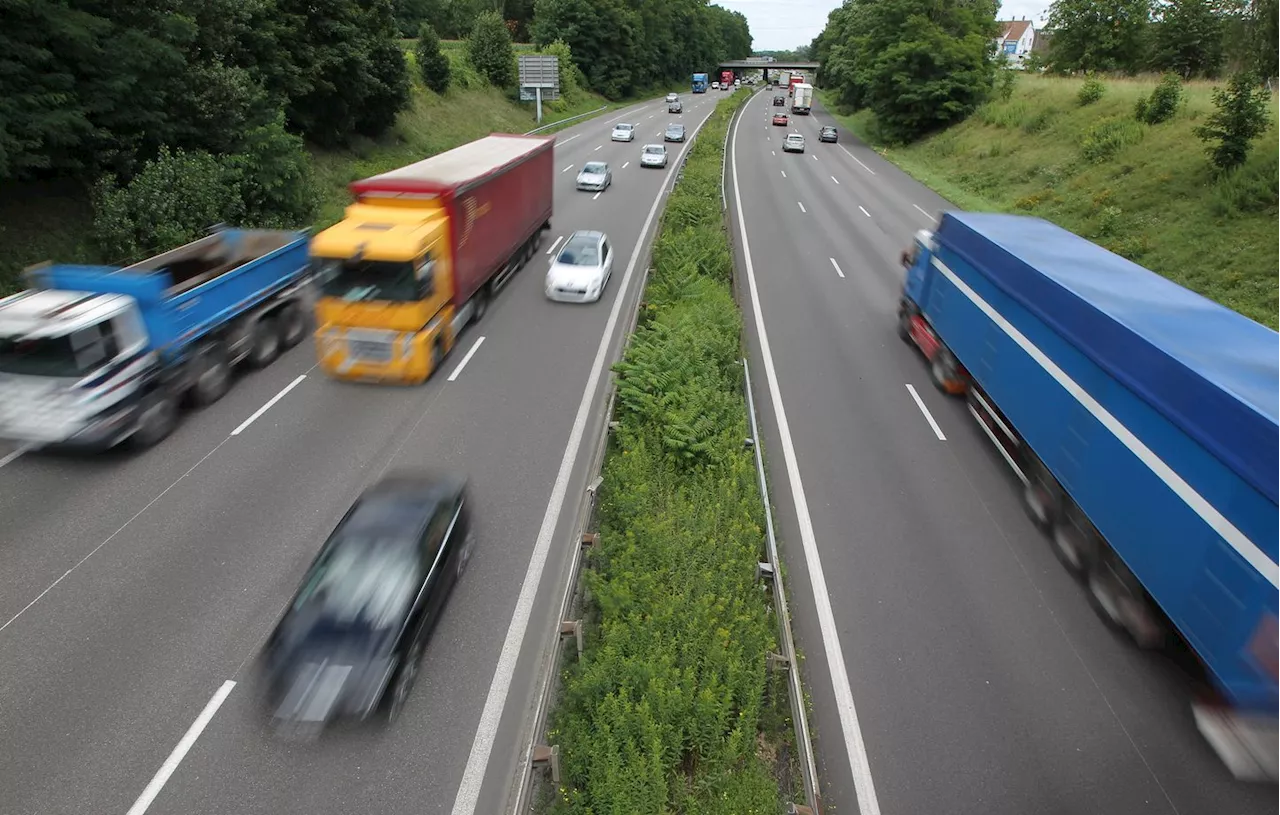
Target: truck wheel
x=1039, y=505
x=1122, y=606
x=213, y=376
x=904, y=326
x=159, y=416
x=437, y=357
x=482, y=304
x=266, y=343
x=292, y=324
x=1076, y=550
x=942, y=369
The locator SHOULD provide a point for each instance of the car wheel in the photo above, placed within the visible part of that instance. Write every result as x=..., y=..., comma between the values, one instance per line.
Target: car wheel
x=404, y=682
x=464, y=557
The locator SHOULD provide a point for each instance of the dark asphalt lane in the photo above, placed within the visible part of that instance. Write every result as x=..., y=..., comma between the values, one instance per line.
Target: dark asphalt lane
x=983, y=682
x=108, y=669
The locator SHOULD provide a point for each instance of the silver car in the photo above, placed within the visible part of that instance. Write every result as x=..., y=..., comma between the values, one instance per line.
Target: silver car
x=653, y=155
x=794, y=143
x=582, y=268
x=595, y=177
x=623, y=132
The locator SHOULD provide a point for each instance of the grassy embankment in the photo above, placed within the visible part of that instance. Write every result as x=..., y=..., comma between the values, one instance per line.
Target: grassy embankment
x=1145, y=192
x=671, y=707
x=43, y=221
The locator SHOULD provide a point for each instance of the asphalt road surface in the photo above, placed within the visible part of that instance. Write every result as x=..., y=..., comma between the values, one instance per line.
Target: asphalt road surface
x=970, y=674
x=135, y=589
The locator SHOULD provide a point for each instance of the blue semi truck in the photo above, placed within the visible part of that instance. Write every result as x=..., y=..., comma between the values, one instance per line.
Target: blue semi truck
x=92, y=356
x=699, y=83
x=1141, y=421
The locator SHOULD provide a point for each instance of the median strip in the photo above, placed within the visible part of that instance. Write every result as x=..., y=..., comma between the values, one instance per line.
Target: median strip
x=672, y=697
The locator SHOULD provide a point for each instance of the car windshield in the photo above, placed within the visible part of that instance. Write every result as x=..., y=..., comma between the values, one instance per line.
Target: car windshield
x=359, y=280
x=794, y=137
x=68, y=356
x=622, y=127
x=654, y=150
x=675, y=128
x=581, y=250
x=362, y=579
x=594, y=168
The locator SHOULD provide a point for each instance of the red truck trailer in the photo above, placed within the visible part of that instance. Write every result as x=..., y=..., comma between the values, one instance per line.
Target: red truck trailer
x=422, y=251
x=726, y=80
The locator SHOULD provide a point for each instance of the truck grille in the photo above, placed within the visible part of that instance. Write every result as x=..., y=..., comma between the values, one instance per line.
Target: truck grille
x=369, y=350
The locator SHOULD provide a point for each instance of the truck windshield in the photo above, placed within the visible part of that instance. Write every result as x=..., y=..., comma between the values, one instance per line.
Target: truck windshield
x=68, y=356
x=358, y=280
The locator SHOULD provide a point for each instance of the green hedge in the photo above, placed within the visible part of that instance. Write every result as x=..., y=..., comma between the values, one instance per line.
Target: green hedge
x=667, y=710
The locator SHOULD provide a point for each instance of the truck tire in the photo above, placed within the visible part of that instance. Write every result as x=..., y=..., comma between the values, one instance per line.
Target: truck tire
x=1123, y=609
x=212, y=376
x=158, y=417
x=482, y=304
x=904, y=326
x=266, y=343
x=942, y=369
x=437, y=357
x=1075, y=549
x=292, y=324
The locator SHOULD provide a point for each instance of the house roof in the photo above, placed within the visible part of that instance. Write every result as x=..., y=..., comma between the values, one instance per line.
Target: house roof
x=1013, y=29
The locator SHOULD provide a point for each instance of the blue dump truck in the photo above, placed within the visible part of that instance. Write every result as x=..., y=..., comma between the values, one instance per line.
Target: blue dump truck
x=91, y=356
x=1141, y=421
x=699, y=83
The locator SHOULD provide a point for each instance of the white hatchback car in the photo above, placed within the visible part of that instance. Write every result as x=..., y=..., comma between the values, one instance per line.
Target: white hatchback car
x=653, y=155
x=623, y=132
x=581, y=270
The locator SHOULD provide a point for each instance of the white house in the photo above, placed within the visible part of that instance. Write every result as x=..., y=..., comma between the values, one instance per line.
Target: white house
x=1017, y=38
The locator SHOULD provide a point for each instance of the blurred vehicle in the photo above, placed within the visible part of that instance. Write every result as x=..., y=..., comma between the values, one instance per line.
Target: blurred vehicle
x=582, y=269
x=1141, y=420
x=595, y=176
x=422, y=252
x=828, y=133
x=780, y=119
x=673, y=97
x=779, y=101
x=674, y=132
x=350, y=642
x=699, y=84
x=623, y=132
x=715, y=86
x=92, y=356
x=675, y=107
x=653, y=155
x=726, y=79
x=802, y=100
x=793, y=143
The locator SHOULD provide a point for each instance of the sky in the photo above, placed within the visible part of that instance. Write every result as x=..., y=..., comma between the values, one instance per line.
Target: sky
x=780, y=25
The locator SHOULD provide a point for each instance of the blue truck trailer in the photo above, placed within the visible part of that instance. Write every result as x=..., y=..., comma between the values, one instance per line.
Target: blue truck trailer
x=92, y=356
x=700, y=83
x=1141, y=420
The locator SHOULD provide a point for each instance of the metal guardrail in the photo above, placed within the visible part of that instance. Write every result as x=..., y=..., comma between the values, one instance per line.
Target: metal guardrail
x=558, y=122
x=804, y=747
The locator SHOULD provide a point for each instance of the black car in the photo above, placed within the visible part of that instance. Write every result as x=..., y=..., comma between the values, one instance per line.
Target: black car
x=828, y=133
x=779, y=101
x=349, y=644
x=674, y=132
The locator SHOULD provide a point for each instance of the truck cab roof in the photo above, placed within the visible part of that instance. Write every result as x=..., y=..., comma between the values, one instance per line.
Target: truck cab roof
x=384, y=232
x=41, y=313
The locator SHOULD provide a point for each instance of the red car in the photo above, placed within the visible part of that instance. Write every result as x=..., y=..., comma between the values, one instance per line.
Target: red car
x=780, y=119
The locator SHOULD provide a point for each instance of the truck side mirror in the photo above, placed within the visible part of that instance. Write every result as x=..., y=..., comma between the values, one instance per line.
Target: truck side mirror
x=427, y=279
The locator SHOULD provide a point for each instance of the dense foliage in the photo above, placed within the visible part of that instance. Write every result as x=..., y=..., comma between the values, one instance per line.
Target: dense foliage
x=919, y=65
x=1240, y=117
x=663, y=711
x=431, y=61
x=489, y=49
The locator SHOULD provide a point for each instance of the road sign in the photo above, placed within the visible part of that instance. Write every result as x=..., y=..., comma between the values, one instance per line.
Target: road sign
x=539, y=71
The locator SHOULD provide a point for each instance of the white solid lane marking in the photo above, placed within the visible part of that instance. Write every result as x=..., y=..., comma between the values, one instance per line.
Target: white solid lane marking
x=802, y=209
x=466, y=359
x=175, y=758
x=268, y=405
x=937, y=431
x=864, y=210
x=922, y=212
x=566, y=141
x=855, y=158
x=833, y=178
x=15, y=455
x=598, y=147
x=554, y=244
x=784, y=173
x=487, y=729
x=837, y=266
x=855, y=746
x=567, y=169
x=624, y=164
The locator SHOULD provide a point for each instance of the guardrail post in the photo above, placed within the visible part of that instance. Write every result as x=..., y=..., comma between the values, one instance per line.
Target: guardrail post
x=547, y=757
x=572, y=628
x=798, y=809
x=777, y=662
x=590, y=540
x=764, y=572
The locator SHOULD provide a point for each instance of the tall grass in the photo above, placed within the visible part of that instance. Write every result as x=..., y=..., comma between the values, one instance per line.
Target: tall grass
x=1144, y=191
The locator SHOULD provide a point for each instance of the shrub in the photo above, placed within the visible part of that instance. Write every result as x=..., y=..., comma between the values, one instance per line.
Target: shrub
x=1091, y=91
x=433, y=65
x=272, y=174
x=489, y=49
x=1240, y=116
x=1106, y=137
x=1162, y=103
x=1008, y=80
x=1248, y=189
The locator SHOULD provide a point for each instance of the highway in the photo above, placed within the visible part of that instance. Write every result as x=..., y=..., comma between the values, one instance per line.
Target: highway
x=137, y=589
x=954, y=666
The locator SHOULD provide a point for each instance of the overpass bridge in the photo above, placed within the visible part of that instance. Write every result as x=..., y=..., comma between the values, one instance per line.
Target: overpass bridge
x=739, y=65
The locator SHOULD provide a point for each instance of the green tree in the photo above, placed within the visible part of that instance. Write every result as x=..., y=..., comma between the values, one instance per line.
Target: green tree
x=1098, y=35
x=1240, y=116
x=432, y=62
x=1188, y=38
x=489, y=49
